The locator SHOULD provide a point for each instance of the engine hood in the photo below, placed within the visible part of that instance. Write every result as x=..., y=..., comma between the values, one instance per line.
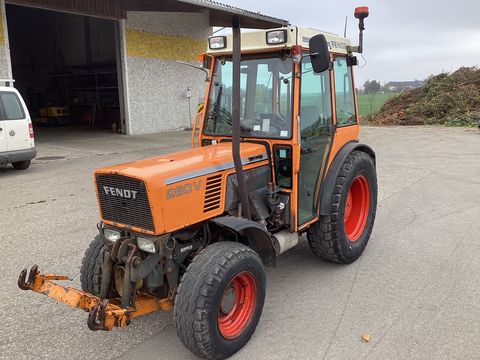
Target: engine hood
x=176, y=167
x=181, y=188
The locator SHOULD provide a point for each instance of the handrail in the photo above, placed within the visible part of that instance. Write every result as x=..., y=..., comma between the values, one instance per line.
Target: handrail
x=195, y=128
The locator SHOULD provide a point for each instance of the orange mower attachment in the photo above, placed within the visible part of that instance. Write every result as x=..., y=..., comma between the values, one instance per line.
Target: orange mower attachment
x=103, y=314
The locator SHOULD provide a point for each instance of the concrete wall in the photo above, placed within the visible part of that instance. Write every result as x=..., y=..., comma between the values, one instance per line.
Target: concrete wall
x=155, y=85
x=5, y=68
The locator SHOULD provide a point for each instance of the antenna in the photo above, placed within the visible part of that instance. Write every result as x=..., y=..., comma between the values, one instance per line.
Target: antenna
x=345, y=30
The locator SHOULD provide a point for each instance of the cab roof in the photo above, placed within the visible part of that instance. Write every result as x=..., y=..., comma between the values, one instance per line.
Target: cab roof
x=255, y=41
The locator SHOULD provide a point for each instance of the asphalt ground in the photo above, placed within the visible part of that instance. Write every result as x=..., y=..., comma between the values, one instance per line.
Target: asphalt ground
x=415, y=290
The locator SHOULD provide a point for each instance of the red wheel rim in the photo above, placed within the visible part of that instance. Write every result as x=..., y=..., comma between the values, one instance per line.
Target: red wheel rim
x=357, y=208
x=237, y=305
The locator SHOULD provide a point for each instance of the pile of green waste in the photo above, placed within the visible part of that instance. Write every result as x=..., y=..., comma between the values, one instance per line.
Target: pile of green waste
x=446, y=99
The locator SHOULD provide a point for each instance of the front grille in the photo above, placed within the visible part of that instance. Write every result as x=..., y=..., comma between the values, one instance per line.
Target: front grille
x=213, y=193
x=124, y=200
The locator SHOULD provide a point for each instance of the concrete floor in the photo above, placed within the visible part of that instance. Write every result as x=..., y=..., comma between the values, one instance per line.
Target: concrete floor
x=415, y=290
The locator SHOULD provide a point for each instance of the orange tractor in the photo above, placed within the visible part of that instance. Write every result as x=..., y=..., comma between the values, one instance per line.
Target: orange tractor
x=276, y=156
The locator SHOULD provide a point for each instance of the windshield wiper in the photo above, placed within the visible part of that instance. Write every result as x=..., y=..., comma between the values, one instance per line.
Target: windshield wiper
x=216, y=109
x=246, y=129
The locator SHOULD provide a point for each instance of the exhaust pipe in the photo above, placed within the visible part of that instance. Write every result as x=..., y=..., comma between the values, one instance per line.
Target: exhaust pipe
x=285, y=240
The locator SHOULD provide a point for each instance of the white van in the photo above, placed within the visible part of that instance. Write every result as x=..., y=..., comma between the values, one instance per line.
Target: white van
x=17, y=140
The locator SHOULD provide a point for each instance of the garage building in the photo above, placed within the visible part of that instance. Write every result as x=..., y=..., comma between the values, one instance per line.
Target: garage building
x=111, y=64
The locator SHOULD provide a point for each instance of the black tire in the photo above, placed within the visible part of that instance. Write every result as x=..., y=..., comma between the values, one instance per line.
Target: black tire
x=201, y=295
x=21, y=165
x=91, y=270
x=328, y=237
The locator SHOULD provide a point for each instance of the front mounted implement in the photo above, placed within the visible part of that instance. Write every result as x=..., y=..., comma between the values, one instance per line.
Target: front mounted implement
x=104, y=314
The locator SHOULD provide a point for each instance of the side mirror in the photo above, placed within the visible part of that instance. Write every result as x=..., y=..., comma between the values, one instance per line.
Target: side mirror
x=319, y=54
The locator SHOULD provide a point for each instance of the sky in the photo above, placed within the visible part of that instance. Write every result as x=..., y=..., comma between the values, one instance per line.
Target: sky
x=403, y=40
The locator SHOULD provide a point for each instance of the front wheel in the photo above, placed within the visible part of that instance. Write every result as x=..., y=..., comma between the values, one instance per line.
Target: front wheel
x=220, y=300
x=21, y=165
x=342, y=235
x=91, y=270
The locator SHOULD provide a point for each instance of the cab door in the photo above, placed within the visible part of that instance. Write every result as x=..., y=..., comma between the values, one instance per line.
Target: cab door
x=315, y=137
x=16, y=123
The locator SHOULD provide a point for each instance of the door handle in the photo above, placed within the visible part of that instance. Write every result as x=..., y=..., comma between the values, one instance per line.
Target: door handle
x=1, y=129
x=331, y=130
x=308, y=150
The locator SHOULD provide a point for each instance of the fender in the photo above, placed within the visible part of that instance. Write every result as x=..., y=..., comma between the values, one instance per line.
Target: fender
x=328, y=184
x=257, y=235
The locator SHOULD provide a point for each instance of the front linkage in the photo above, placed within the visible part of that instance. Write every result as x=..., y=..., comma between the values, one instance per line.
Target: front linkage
x=103, y=314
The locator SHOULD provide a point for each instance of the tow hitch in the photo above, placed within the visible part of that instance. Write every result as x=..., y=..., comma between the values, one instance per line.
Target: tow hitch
x=103, y=314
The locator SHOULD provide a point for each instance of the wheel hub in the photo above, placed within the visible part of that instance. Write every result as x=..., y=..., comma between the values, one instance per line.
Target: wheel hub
x=229, y=300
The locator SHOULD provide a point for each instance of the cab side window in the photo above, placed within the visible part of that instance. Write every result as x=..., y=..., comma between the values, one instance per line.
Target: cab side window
x=344, y=93
x=315, y=107
x=10, y=107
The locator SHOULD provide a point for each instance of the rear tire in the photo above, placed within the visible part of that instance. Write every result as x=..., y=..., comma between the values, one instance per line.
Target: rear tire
x=21, y=165
x=220, y=300
x=342, y=235
x=91, y=270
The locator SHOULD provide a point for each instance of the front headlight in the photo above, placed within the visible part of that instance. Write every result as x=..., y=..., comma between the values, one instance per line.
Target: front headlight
x=277, y=37
x=217, y=42
x=146, y=245
x=112, y=235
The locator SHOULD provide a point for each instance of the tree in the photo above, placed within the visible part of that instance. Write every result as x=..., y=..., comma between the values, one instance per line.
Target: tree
x=372, y=87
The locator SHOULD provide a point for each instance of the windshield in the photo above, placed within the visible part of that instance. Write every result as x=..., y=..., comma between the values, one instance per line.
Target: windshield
x=265, y=97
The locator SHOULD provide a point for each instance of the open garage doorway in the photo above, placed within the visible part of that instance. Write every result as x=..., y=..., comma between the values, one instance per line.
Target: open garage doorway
x=66, y=66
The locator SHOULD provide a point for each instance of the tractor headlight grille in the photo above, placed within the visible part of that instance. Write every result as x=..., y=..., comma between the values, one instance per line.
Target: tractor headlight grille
x=124, y=200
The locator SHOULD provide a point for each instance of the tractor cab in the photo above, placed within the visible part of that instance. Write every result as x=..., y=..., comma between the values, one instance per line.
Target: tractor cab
x=296, y=111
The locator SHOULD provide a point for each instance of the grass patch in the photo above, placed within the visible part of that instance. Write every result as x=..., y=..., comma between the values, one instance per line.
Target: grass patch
x=369, y=104
x=466, y=120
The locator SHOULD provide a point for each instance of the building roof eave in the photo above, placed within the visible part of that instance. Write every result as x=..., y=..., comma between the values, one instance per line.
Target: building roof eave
x=221, y=15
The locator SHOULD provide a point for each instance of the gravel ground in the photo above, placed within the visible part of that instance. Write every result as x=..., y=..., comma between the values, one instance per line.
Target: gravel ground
x=415, y=289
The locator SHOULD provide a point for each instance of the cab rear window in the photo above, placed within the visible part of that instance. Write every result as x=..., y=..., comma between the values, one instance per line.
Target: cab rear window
x=10, y=107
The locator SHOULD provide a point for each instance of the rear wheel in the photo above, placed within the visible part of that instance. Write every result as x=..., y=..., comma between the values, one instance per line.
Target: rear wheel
x=21, y=165
x=220, y=300
x=343, y=235
x=91, y=270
